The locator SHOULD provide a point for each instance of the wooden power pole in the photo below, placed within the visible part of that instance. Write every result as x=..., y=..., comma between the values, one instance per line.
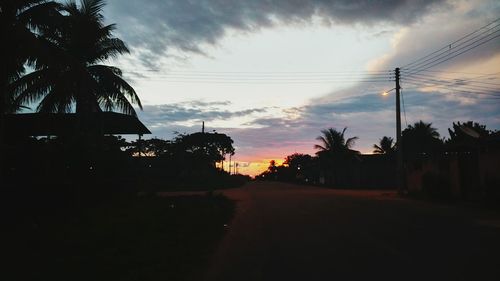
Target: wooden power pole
x=399, y=140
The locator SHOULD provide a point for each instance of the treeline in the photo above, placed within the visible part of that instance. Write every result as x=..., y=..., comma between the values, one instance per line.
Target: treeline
x=188, y=160
x=337, y=163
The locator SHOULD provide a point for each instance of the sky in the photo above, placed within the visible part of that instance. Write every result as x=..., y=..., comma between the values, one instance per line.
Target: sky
x=273, y=74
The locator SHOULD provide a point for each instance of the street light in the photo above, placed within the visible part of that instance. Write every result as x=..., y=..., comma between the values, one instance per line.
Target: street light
x=386, y=93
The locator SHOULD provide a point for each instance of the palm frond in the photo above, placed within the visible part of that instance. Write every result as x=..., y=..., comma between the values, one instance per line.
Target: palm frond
x=109, y=48
x=92, y=7
x=110, y=78
x=351, y=141
x=41, y=15
x=56, y=101
x=31, y=87
x=378, y=149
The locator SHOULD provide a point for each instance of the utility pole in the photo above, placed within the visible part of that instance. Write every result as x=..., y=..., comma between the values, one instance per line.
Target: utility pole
x=399, y=139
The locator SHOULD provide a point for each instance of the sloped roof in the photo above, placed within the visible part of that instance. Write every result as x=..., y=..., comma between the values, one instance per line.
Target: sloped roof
x=45, y=124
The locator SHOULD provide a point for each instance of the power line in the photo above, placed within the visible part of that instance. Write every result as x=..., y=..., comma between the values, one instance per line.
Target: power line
x=264, y=77
x=456, y=72
x=460, y=51
x=196, y=77
x=461, y=83
x=463, y=93
x=269, y=82
x=447, y=87
x=268, y=77
x=474, y=80
x=454, y=84
x=271, y=72
x=448, y=46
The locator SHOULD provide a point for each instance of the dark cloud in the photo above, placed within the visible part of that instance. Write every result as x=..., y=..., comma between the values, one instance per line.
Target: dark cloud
x=440, y=31
x=155, y=26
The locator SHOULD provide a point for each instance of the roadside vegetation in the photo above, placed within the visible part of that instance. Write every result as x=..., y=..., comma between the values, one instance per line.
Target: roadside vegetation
x=81, y=205
x=460, y=166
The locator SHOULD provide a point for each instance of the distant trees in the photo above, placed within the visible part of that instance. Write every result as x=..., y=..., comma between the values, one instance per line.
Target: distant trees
x=204, y=148
x=272, y=167
x=298, y=161
x=297, y=167
x=336, y=162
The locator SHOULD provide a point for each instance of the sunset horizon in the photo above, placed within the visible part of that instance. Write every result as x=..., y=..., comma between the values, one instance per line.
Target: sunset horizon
x=273, y=82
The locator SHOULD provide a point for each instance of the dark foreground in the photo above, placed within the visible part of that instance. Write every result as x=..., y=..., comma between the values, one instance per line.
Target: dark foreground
x=289, y=232
x=129, y=237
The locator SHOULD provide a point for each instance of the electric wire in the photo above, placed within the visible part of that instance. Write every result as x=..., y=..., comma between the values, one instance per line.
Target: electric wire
x=447, y=58
x=446, y=87
x=450, y=48
x=460, y=92
x=454, y=84
x=265, y=77
x=473, y=80
x=446, y=47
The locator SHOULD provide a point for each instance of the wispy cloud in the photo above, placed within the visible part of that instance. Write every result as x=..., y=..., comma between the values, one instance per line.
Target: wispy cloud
x=165, y=115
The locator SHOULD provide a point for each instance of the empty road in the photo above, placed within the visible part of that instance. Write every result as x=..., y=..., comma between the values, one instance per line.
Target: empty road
x=293, y=232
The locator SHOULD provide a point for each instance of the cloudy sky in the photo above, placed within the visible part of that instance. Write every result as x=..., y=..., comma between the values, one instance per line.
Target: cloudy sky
x=273, y=73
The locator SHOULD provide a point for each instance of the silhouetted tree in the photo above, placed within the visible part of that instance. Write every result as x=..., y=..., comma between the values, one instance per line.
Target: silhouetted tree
x=333, y=141
x=385, y=146
x=458, y=136
x=272, y=167
x=73, y=77
x=21, y=23
x=334, y=152
x=298, y=160
x=421, y=139
x=211, y=147
x=303, y=167
x=152, y=147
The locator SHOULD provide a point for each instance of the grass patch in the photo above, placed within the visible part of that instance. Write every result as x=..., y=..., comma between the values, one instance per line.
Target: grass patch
x=127, y=238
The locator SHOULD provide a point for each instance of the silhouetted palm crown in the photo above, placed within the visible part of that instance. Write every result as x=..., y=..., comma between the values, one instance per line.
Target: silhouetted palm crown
x=333, y=141
x=21, y=22
x=385, y=146
x=421, y=137
x=72, y=76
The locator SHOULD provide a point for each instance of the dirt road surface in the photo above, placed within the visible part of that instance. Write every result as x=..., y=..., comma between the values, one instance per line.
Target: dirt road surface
x=293, y=232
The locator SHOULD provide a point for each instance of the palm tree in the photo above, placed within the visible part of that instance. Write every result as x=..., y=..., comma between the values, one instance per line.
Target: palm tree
x=333, y=141
x=421, y=139
x=385, y=146
x=75, y=78
x=21, y=23
x=333, y=152
x=423, y=129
